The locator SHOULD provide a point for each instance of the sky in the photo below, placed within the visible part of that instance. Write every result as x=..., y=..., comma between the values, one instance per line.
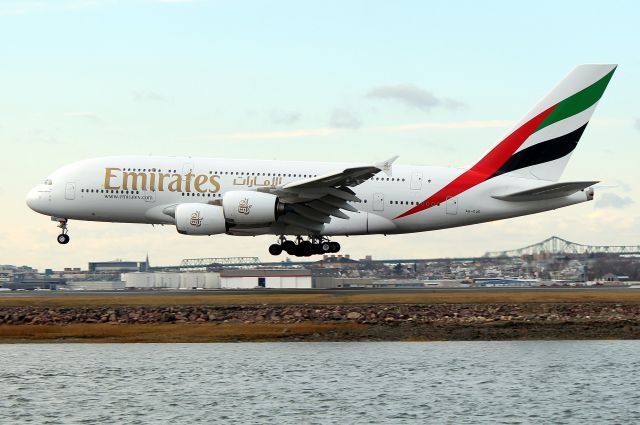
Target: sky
x=437, y=83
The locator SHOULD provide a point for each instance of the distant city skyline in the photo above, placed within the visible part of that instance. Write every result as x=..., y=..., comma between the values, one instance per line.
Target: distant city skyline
x=436, y=83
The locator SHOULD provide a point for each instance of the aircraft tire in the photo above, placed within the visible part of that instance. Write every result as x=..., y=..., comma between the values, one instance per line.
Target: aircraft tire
x=63, y=239
x=305, y=249
x=275, y=249
x=290, y=247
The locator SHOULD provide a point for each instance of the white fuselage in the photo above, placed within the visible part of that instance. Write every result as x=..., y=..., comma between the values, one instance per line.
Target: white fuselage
x=139, y=189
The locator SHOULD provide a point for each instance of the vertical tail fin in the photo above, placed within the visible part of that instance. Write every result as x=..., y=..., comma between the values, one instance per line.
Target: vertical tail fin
x=540, y=144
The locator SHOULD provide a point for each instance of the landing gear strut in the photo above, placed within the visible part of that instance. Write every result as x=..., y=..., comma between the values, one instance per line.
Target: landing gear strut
x=304, y=248
x=63, y=238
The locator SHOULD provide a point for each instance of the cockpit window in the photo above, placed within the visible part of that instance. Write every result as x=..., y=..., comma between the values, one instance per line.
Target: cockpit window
x=48, y=182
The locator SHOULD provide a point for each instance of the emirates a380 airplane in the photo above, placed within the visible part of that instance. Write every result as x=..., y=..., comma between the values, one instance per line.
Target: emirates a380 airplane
x=308, y=202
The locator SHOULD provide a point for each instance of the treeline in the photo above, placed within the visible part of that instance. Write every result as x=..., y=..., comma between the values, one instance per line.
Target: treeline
x=618, y=266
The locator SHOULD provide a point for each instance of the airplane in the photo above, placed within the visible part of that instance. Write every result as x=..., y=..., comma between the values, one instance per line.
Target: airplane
x=303, y=204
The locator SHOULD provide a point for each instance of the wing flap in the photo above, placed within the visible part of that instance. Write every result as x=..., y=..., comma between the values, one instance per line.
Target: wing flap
x=338, y=203
x=327, y=209
x=551, y=191
x=311, y=213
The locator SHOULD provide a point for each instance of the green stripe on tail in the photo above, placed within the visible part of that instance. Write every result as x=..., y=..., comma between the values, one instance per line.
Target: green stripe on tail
x=578, y=102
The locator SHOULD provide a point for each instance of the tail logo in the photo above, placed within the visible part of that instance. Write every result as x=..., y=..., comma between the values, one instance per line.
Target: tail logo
x=568, y=112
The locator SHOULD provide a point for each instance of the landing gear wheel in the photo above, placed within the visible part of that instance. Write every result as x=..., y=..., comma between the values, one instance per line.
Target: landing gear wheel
x=275, y=249
x=63, y=238
x=325, y=247
x=335, y=246
x=289, y=247
x=305, y=249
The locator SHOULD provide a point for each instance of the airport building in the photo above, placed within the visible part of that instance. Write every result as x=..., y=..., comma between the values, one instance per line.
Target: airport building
x=264, y=278
x=118, y=266
x=171, y=280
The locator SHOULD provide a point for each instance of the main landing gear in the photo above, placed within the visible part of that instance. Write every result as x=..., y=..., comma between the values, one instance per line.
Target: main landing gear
x=63, y=238
x=304, y=248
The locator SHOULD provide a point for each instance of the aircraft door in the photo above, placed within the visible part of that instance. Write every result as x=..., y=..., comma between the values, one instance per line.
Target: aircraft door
x=378, y=202
x=416, y=180
x=70, y=191
x=452, y=205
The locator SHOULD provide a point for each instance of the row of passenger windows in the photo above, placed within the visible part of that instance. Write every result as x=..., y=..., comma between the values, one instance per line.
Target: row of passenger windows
x=389, y=179
x=423, y=203
x=219, y=195
x=231, y=173
x=204, y=195
x=151, y=170
x=137, y=192
x=242, y=173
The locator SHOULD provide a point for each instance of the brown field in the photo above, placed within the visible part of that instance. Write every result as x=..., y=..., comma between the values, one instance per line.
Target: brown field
x=576, y=325
x=335, y=298
x=226, y=332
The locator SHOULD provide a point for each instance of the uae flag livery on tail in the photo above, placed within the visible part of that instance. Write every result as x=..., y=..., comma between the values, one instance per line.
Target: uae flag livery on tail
x=540, y=144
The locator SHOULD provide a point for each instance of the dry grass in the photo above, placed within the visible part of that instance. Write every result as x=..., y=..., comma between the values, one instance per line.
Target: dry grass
x=334, y=298
x=166, y=332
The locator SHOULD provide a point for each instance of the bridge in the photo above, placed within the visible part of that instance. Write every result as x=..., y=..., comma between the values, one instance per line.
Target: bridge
x=553, y=245
x=559, y=246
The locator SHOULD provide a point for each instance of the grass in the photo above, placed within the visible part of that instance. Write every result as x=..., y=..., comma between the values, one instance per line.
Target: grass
x=334, y=298
x=174, y=333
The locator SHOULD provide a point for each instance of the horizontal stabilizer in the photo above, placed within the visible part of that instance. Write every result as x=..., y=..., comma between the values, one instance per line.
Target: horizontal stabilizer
x=555, y=190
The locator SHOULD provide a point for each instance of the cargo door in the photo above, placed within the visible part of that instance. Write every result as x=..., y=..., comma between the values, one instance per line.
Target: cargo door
x=416, y=180
x=378, y=202
x=70, y=191
x=452, y=205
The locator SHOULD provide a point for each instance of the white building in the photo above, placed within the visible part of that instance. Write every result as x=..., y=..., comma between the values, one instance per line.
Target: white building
x=172, y=280
x=272, y=278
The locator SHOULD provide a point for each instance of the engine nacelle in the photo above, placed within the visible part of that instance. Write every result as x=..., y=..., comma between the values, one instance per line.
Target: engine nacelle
x=200, y=219
x=248, y=207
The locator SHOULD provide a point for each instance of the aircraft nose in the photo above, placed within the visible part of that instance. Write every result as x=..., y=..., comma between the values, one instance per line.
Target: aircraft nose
x=35, y=200
x=32, y=196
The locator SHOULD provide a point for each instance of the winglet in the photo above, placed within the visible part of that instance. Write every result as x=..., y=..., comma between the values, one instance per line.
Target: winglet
x=385, y=166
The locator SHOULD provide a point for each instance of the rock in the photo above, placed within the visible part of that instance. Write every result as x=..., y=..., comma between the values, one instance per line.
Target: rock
x=354, y=315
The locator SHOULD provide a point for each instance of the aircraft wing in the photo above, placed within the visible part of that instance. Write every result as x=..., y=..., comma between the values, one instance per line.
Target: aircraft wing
x=555, y=190
x=310, y=203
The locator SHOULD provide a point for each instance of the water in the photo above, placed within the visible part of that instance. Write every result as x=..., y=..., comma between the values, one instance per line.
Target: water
x=321, y=383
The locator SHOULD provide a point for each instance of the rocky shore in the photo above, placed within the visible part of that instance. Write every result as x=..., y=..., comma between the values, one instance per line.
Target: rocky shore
x=442, y=321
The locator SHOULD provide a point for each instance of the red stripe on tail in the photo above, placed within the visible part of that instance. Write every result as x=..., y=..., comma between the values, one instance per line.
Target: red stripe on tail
x=484, y=168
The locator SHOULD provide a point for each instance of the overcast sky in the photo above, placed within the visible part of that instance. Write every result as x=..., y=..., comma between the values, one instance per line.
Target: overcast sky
x=434, y=82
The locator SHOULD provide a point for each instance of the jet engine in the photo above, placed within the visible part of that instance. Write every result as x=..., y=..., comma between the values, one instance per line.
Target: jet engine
x=248, y=207
x=200, y=219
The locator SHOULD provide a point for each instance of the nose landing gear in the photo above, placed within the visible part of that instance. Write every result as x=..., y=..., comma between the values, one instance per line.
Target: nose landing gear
x=63, y=238
x=304, y=248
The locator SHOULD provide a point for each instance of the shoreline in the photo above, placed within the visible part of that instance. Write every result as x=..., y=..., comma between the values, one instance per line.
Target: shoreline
x=451, y=316
x=314, y=332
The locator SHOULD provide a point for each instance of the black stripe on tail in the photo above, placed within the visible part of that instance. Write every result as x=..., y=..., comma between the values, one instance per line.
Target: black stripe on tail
x=542, y=152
